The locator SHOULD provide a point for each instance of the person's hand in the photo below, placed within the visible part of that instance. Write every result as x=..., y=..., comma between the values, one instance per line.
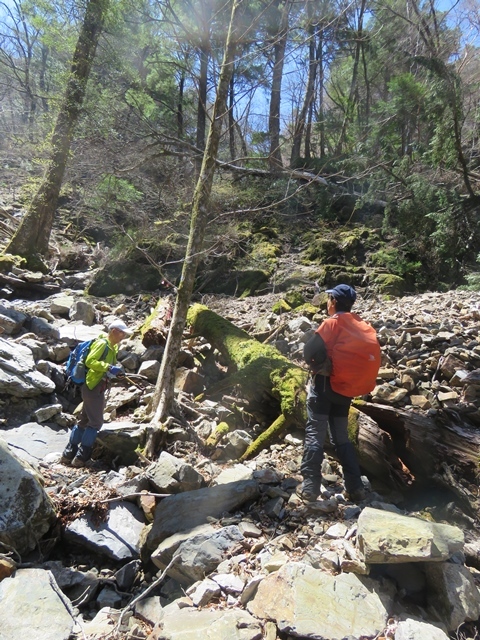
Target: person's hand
x=116, y=371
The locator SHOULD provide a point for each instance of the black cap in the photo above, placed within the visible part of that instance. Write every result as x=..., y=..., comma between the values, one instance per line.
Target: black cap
x=343, y=292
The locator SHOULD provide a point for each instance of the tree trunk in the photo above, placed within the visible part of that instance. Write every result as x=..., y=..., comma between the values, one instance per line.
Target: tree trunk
x=33, y=234
x=202, y=104
x=231, y=120
x=308, y=99
x=162, y=402
x=351, y=100
x=275, y=155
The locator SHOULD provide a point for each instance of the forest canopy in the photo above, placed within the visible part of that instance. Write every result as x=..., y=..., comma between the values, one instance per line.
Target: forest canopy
x=338, y=110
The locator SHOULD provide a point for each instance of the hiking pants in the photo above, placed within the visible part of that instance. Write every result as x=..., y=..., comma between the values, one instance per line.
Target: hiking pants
x=91, y=417
x=325, y=409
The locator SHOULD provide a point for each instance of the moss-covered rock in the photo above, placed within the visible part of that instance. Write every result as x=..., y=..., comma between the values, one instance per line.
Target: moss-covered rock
x=294, y=299
x=7, y=261
x=238, y=283
x=281, y=306
x=389, y=284
x=309, y=310
x=124, y=276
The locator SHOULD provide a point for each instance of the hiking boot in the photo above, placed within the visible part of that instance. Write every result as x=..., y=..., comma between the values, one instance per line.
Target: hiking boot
x=82, y=457
x=68, y=454
x=306, y=492
x=357, y=495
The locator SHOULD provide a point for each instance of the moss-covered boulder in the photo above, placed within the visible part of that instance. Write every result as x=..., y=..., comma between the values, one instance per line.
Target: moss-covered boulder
x=238, y=283
x=281, y=306
x=7, y=261
x=389, y=284
x=124, y=276
x=294, y=299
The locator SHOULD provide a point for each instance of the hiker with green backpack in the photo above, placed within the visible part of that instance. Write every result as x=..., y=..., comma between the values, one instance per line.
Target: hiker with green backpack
x=101, y=365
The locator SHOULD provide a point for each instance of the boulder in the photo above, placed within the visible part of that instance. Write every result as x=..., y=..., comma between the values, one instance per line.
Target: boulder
x=118, y=537
x=32, y=441
x=83, y=311
x=452, y=594
x=311, y=603
x=18, y=376
x=184, y=511
x=200, y=554
x=26, y=512
x=191, y=624
x=385, y=537
x=172, y=475
x=34, y=606
x=123, y=438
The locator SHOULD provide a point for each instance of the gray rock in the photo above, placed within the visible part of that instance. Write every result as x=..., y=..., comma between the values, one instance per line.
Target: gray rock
x=234, y=474
x=166, y=549
x=18, y=376
x=150, y=369
x=118, y=538
x=237, y=442
x=229, y=583
x=34, y=606
x=172, y=475
x=310, y=603
x=130, y=362
x=204, y=592
x=26, y=512
x=201, y=554
x=187, y=510
x=44, y=329
x=149, y=609
x=61, y=304
x=417, y=630
x=154, y=352
x=83, y=311
x=385, y=537
x=11, y=320
x=47, y=412
x=38, y=348
x=76, y=332
x=192, y=624
x=123, y=438
x=189, y=381
x=32, y=441
x=452, y=594
x=125, y=576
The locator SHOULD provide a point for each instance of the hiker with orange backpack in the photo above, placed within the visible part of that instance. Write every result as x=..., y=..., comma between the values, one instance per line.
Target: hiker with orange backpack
x=101, y=365
x=344, y=359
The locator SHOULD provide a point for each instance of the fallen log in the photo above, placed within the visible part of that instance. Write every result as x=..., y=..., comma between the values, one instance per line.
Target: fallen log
x=436, y=450
x=155, y=328
x=18, y=283
x=258, y=368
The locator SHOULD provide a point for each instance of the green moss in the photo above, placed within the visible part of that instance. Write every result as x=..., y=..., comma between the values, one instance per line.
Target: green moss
x=7, y=261
x=281, y=306
x=308, y=309
x=389, y=284
x=217, y=434
x=265, y=251
x=294, y=299
x=267, y=437
x=352, y=426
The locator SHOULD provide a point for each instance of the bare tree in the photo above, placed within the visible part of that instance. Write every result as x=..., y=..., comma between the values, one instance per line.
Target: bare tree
x=163, y=399
x=33, y=234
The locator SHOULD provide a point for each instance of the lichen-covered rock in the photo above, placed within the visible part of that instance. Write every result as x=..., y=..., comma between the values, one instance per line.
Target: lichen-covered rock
x=26, y=512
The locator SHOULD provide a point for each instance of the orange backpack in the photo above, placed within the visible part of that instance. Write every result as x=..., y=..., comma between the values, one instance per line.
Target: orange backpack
x=354, y=350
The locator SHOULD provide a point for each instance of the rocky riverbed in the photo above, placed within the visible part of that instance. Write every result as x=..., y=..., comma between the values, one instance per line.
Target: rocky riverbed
x=196, y=543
